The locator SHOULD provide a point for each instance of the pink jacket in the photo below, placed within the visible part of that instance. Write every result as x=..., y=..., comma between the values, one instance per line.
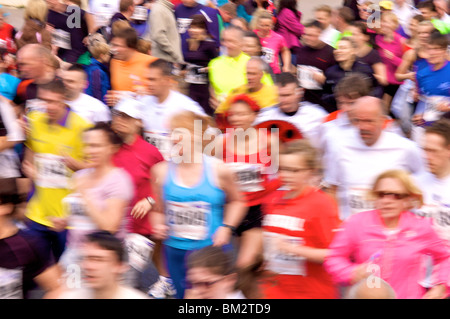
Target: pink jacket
x=290, y=28
x=399, y=257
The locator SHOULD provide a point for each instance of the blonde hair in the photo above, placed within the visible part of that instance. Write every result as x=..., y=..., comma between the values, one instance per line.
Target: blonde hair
x=405, y=179
x=392, y=16
x=144, y=46
x=98, y=46
x=304, y=148
x=119, y=25
x=324, y=8
x=36, y=9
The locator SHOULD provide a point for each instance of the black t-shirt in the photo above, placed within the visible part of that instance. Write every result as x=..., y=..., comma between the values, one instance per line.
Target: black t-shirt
x=373, y=57
x=321, y=58
x=22, y=258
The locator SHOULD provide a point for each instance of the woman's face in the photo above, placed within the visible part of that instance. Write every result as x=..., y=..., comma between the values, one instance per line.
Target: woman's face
x=344, y=51
x=251, y=46
x=196, y=32
x=413, y=27
x=387, y=25
x=294, y=173
x=359, y=37
x=98, y=148
x=392, y=198
x=241, y=115
x=208, y=285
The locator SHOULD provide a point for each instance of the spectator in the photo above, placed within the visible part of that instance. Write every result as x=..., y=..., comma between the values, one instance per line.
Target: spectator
x=342, y=19
x=323, y=14
x=126, y=10
x=7, y=33
x=98, y=70
x=227, y=13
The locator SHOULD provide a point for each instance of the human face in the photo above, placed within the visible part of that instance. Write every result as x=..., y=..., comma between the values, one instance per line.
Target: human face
x=293, y=171
x=264, y=26
x=241, y=116
x=323, y=17
x=196, y=32
x=208, y=285
x=75, y=83
x=427, y=13
x=232, y=41
x=30, y=66
x=98, y=148
x=124, y=124
x=100, y=267
x=157, y=84
x=120, y=49
x=394, y=201
x=240, y=24
x=54, y=104
x=423, y=34
x=437, y=153
x=413, y=27
x=344, y=51
x=251, y=46
x=289, y=97
x=364, y=12
x=254, y=75
x=369, y=121
x=436, y=54
x=388, y=26
x=311, y=37
x=359, y=37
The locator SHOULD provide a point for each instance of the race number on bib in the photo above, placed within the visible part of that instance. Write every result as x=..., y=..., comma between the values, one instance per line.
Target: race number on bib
x=432, y=112
x=161, y=140
x=358, y=200
x=139, y=250
x=305, y=75
x=249, y=176
x=280, y=262
x=140, y=13
x=61, y=39
x=11, y=283
x=195, y=75
x=51, y=171
x=268, y=55
x=190, y=220
x=183, y=25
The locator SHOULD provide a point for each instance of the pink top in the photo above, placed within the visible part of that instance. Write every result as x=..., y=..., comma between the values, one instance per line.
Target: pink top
x=290, y=28
x=392, y=62
x=399, y=256
x=271, y=47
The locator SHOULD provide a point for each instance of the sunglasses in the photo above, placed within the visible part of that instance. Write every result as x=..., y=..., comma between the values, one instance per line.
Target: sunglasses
x=392, y=195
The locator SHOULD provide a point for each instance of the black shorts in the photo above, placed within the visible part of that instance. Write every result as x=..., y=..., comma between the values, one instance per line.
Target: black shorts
x=253, y=219
x=391, y=89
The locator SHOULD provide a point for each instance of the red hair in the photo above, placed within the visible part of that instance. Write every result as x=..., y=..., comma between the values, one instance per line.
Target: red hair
x=244, y=98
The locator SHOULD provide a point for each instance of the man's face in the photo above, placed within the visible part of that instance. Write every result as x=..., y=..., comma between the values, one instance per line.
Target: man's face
x=54, y=104
x=427, y=13
x=436, y=54
x=30, y=66
x=232, y=41
x=100, y=267
x=423, y=34
x=120, y=49
x=75, y=83
x=311, y=37
x=369, y=121
x=436, y=152
x=289, y=97
x=254, y=74
x=157, y=83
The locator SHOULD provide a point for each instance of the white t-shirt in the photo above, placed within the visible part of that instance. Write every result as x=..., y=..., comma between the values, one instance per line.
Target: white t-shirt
x=156, y=117
x=308, y=119
x=91, y=109
x=103, y=10
x=353, y=166
x=122, y=293
x=436, y=197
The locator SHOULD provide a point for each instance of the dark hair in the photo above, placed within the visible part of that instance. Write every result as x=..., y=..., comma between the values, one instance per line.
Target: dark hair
x=354, y=85
x=314, y=24
x=199, y=20
x=55, y=86
x=286, y=78
x=362, y=27
x=112, y=136
x=289, y=4
x=428, y=4
x=418, y=17
x=436, y=38
x=125, y=4
x=129, y=35
x=440, y=127
x=346, y=14
x=213, y=258
x=9, y=193
x=77, y=67
x=163, y=65
x=251, y=34
x=107, y=241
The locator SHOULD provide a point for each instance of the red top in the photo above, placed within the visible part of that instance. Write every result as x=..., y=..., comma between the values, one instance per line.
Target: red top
x=6, y=37
x=310, y=220
x=256, y=177
x=137, y=159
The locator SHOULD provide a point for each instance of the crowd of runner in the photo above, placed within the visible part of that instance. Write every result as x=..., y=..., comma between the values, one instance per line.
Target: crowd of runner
x=225, y=149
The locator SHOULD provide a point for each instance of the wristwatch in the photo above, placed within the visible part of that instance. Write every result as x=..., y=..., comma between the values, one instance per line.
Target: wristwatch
x=151, y=200
x=233, y=229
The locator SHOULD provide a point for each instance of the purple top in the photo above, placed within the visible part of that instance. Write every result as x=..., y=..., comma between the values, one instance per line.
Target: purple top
x=290, y=28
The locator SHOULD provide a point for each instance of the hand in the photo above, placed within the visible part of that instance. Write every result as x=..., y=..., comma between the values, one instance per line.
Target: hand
x=160, y=231
x=213, y=102
x=141, y=209
x=59, y=224
x=111, y=98
x=286, y=68
x=222, y=236
x=443, y=106
x=411, y=76
x=72, y=163
x=359, y=273
x=29, y=169
x=285, y=246
x=437, y=292
x=319, y=77
x=418, y=120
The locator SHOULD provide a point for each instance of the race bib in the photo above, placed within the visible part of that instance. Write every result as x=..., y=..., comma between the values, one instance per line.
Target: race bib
x=10, y=164
x=139, y=250
x=305, y=75
x=440, y=213
x=190, y=220
x=11, y=283
x=432, y=112
x=249, y=176
x=268, y=55
x=140, y=14
x=194, y=74
x=280, y=262
x=61, y=39
x=358, y=200
x=51, y=171
x=183, y=25
x=161, y=140
x=35, y=105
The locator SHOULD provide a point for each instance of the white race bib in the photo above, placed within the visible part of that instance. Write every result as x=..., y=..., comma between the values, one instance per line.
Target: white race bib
x=280, y=262
x=194, y=76
x=161, y=140
x=61, y=39
x=139, y=249
x=35, y=105
x=249, y=176
x=51, y=171
x=183, y=25
x=11, y=283
x=140, y=13
x=190, y=220
x=432, y=113
x=305, y=75
x=268, y=55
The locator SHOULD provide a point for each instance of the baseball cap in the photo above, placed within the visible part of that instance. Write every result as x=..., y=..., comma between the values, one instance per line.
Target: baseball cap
x=386, y=5
x=130, y=107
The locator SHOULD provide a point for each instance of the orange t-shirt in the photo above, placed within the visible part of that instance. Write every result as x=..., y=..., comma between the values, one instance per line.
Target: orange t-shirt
x=125, y=75
x=310, y=219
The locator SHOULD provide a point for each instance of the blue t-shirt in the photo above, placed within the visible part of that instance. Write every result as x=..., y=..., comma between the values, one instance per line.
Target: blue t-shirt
x=434, y=82
x=8, y=85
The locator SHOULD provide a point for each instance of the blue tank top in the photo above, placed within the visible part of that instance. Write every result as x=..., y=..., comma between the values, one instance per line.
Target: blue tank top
x=193, y=214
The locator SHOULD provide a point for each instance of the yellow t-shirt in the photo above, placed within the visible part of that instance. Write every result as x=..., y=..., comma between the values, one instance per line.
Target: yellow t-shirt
x=49, y=144
x=266, y=97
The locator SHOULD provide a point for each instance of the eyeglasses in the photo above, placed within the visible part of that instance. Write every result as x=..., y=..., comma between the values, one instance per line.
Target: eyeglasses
x=392, y=195
x=202, y=284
